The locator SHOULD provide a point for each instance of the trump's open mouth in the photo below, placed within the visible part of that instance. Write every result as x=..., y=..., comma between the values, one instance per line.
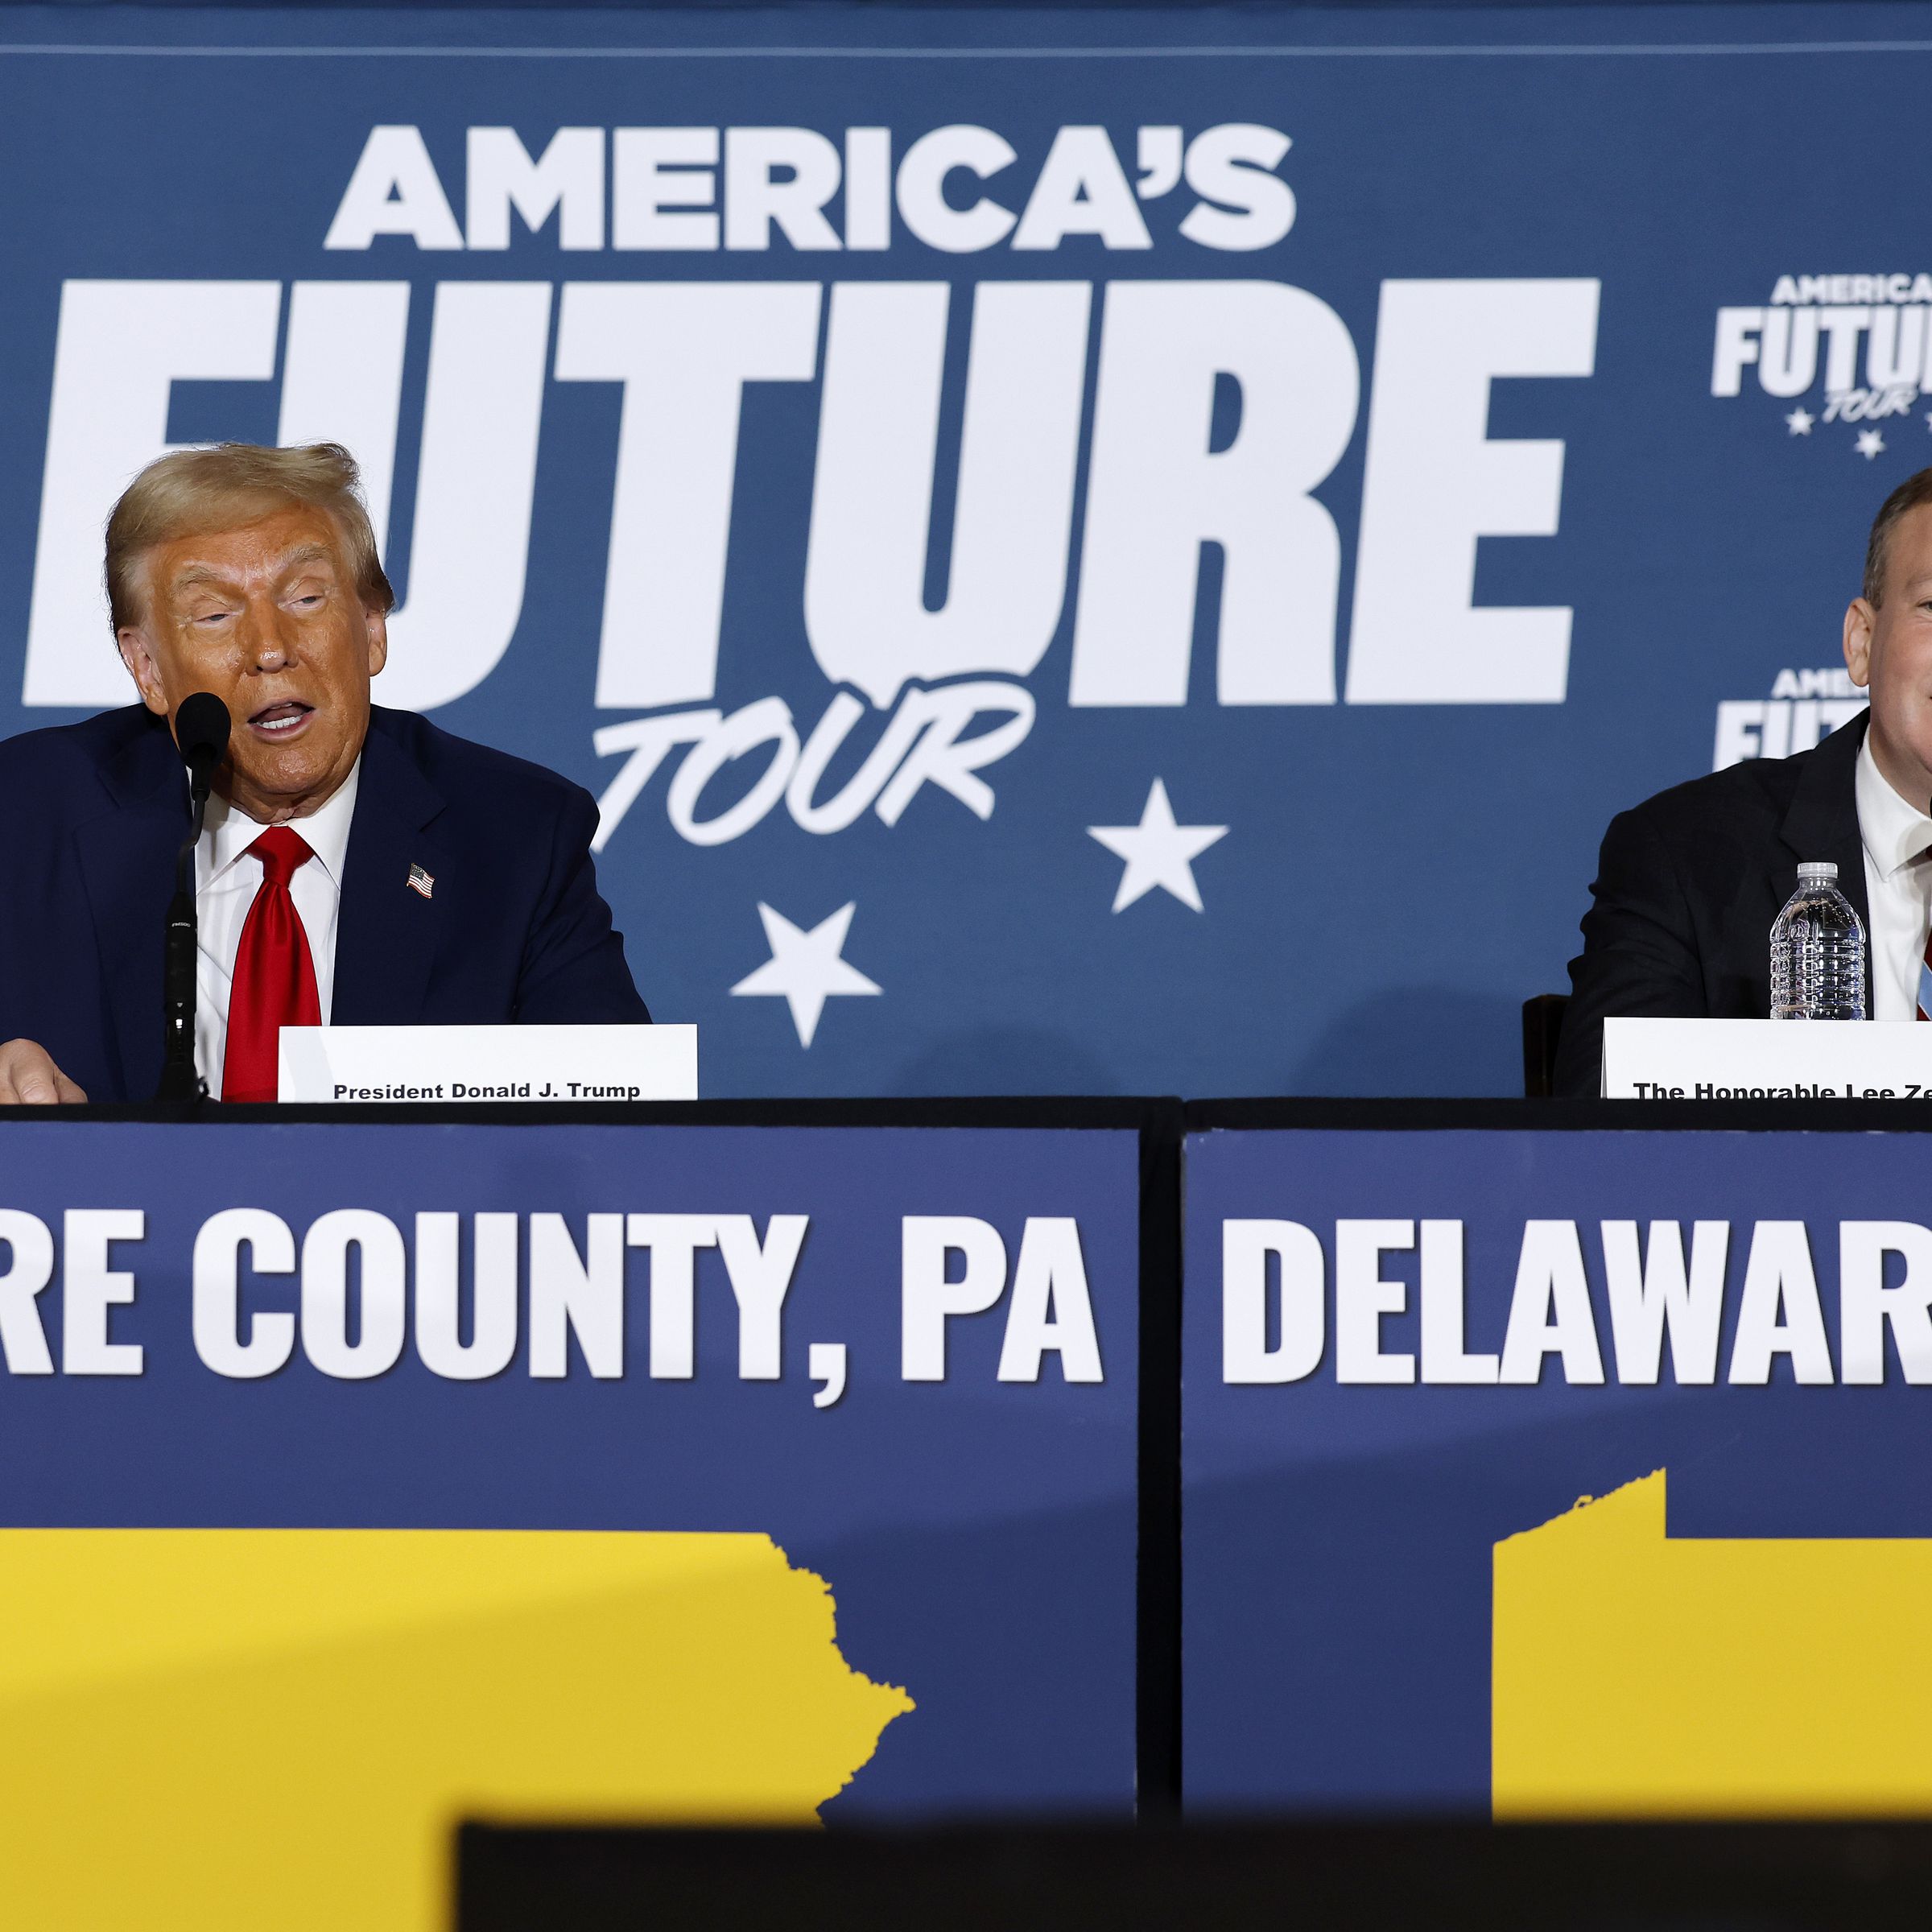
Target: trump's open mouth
x=279, y=722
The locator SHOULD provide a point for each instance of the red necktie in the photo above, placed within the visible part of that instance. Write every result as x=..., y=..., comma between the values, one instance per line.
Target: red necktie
x=275, y=982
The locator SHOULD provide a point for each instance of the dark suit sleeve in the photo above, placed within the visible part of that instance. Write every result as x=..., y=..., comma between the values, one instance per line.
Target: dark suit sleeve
x=1640, y=952
x=573, y=971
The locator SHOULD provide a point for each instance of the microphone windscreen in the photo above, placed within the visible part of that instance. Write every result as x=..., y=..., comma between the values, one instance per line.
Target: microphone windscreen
x=201, y=728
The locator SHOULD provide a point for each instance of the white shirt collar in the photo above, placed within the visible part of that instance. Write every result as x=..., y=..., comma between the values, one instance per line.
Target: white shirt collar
x=228, y=831
x=1894, y=833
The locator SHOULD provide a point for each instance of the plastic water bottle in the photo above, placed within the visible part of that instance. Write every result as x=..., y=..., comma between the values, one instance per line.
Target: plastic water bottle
x=1818, y=952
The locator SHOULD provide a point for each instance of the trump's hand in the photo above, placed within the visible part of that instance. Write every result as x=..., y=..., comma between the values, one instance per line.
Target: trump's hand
x=28, y=1078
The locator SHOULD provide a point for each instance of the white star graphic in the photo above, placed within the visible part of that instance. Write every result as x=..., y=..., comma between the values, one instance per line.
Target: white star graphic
x=1870, y=443
x=1800, y=422
x=1158, y=851
x=805, y=967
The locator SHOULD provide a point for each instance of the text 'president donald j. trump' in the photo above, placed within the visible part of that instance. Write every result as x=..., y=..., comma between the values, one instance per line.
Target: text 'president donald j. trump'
x=357, y=865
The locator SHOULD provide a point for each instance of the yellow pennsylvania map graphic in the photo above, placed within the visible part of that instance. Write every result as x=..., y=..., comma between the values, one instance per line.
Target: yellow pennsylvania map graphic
x=234, y=1729
x=1635, y=1675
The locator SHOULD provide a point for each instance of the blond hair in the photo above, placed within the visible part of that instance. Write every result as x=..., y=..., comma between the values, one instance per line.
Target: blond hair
x=197, y=492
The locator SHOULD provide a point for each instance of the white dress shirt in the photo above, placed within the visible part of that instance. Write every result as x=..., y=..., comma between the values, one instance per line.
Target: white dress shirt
x=227, y=876
x=1898, y=888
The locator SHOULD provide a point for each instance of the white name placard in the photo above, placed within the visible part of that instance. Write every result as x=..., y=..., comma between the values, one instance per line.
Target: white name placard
x=1767, y=1059
x=355, y=1066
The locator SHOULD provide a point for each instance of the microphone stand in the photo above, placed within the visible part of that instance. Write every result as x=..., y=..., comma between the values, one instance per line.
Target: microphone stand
x=180, y=1080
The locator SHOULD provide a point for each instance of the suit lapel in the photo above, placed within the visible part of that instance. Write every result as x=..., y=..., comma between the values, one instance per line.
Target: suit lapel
x=126, y=858
x=1822, y=820
x=386, y=937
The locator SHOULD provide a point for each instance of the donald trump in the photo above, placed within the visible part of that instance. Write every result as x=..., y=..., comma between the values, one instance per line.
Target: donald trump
x=357, y=865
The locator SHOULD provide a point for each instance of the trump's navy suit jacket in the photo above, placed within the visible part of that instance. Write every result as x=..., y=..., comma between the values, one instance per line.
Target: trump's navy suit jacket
x=91, y=815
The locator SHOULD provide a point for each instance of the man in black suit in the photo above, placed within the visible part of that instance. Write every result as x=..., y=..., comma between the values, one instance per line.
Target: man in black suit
x=358, y=865
x=1690, y=882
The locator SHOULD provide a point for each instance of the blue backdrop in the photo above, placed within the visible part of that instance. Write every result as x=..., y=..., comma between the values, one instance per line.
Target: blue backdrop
x=1329, y=462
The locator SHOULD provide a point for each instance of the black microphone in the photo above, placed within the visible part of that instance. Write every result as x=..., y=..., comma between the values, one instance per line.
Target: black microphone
x=201, y=729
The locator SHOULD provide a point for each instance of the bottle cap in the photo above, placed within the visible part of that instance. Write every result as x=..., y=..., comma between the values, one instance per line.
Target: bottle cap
x=1815, y=870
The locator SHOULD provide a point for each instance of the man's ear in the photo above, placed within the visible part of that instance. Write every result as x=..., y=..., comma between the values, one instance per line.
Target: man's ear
x=139, y=658
x=378, y=640
x=1859, y=618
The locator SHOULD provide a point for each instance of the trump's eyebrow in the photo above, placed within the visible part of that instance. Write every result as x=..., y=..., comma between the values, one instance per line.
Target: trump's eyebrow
x=191, y=575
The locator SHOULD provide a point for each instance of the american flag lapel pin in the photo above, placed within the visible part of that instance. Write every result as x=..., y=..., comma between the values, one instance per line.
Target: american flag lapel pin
x=420, y=882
